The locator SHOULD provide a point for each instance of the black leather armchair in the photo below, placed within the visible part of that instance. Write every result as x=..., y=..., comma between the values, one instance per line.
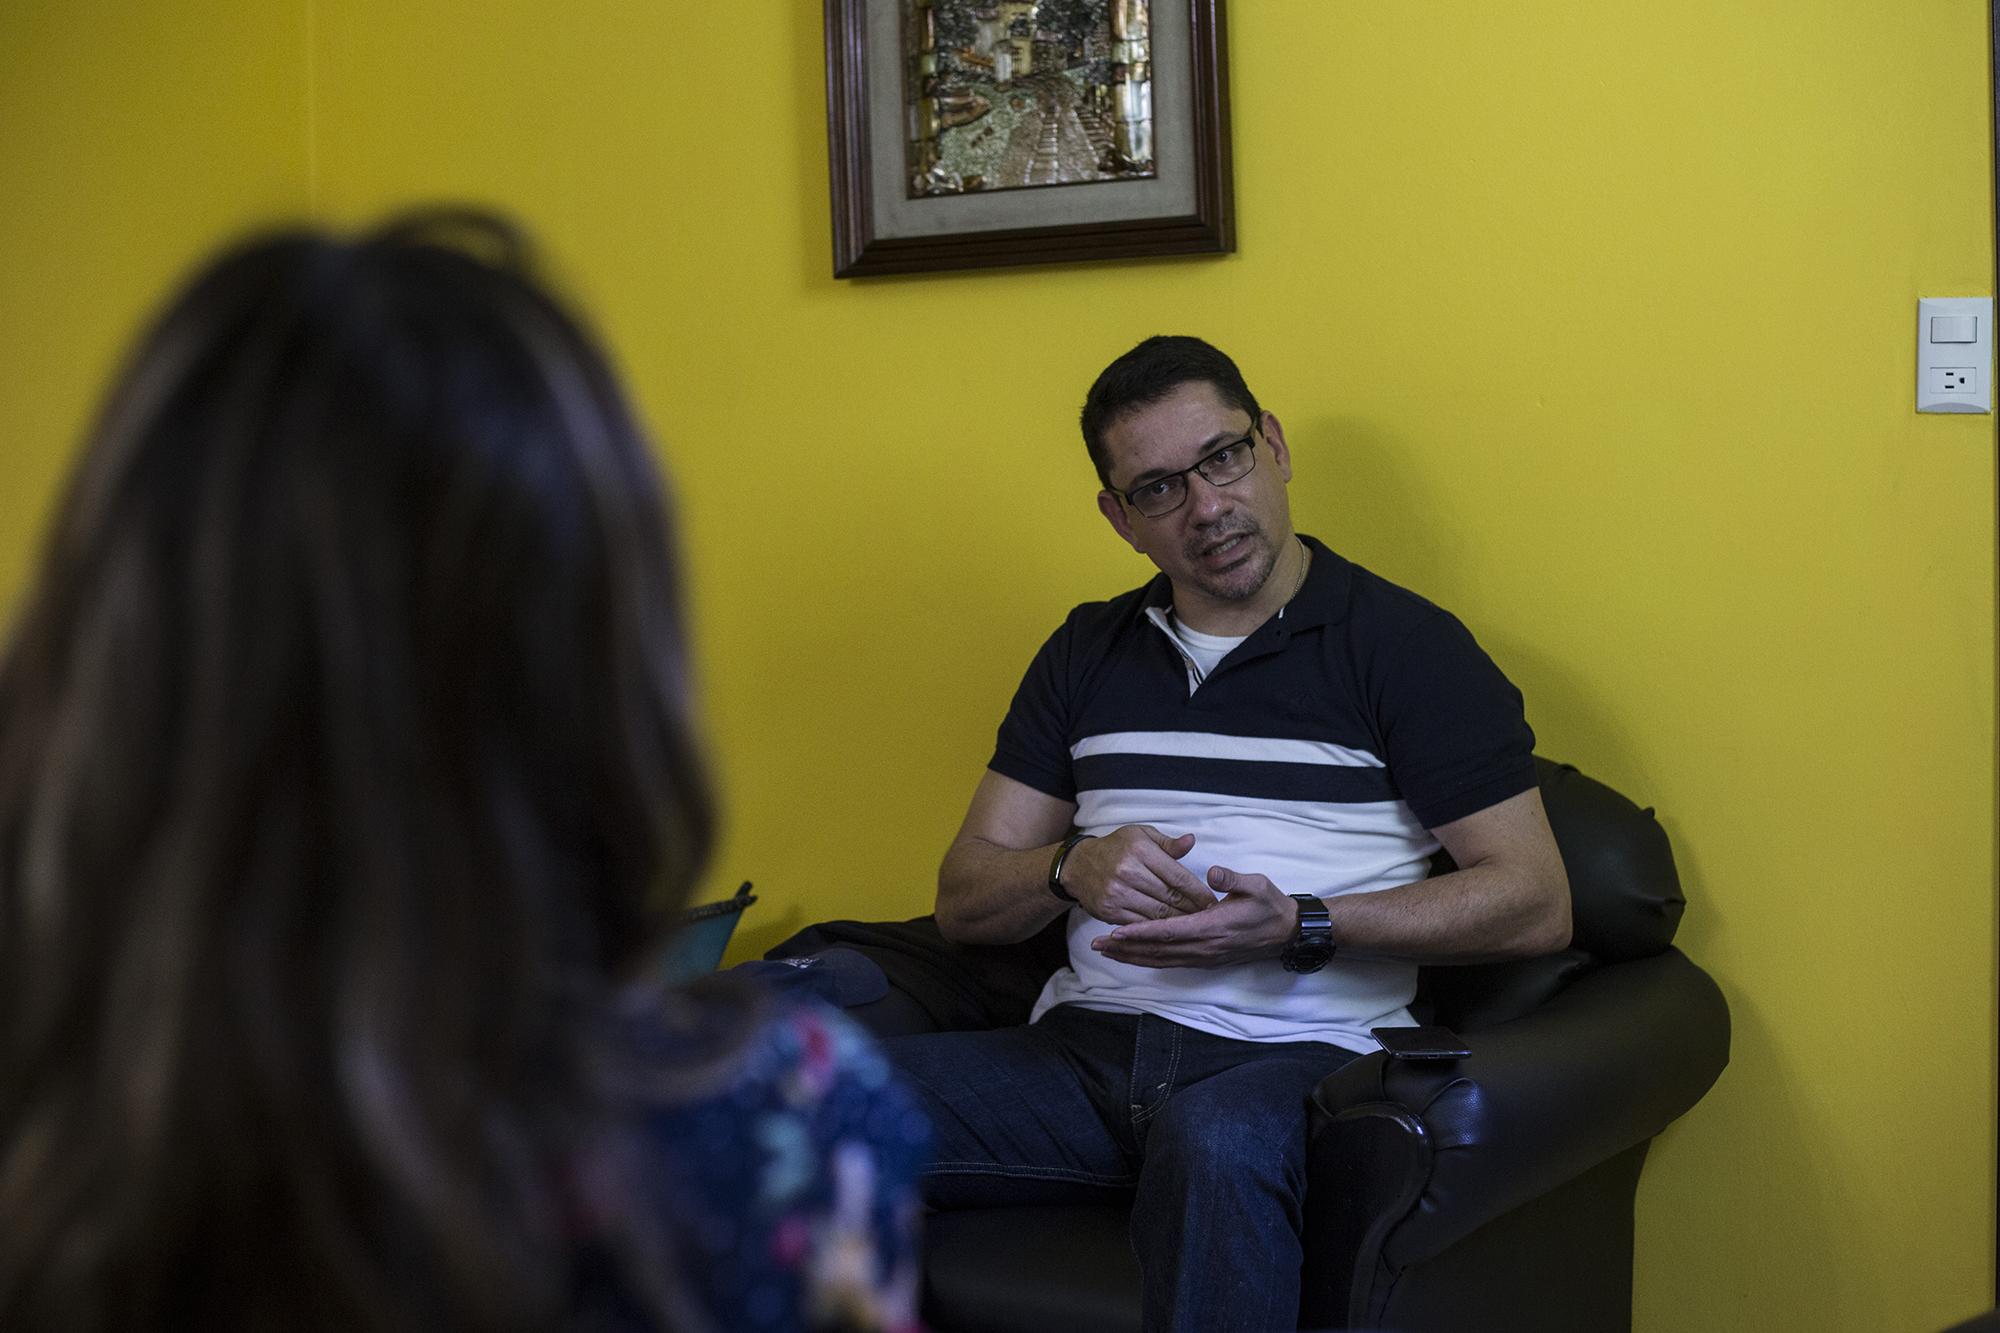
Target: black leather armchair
x=1491, y=1193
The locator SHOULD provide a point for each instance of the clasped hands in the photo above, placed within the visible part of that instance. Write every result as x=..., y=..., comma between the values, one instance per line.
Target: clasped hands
x=1163, y=915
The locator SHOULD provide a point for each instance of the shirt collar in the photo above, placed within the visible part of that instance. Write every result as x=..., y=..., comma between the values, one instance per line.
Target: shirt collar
x=1321, y=600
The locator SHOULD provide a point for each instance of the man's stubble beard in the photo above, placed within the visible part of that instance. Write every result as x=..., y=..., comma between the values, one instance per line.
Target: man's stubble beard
x=1242, y=582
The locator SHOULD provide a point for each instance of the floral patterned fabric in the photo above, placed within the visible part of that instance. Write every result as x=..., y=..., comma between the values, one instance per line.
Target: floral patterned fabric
x=789, y=1192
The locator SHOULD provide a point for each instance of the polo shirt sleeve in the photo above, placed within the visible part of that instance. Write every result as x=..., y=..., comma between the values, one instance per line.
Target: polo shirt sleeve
x=1457, y=740
x=1033, y=744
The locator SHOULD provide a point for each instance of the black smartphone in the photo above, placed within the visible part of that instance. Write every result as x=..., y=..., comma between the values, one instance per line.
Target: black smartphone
x=1424, y=1043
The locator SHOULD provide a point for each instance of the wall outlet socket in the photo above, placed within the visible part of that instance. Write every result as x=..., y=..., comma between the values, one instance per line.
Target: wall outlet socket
x=1955, y=354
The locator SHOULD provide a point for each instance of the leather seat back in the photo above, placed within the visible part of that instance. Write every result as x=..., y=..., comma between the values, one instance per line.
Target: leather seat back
x=1625, y=902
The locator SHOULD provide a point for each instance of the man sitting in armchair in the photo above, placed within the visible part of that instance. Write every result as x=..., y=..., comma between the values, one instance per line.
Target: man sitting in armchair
x=1231, y=781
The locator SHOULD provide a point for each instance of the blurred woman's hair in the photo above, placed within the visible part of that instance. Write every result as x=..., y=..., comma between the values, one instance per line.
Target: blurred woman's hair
x=345, y=765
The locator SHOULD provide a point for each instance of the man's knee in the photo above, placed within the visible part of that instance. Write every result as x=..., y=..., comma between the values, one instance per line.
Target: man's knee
x=1209, y=1148
x=923, y=1054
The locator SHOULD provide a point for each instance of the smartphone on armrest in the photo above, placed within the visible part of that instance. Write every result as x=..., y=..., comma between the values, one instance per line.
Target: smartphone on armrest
x=1421, y=1043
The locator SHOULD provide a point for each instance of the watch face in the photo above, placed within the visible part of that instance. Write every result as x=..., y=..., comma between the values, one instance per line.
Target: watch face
x=1309, y=954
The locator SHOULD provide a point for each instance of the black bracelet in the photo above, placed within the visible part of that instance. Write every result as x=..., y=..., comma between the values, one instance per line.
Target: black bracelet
x=1056, y=865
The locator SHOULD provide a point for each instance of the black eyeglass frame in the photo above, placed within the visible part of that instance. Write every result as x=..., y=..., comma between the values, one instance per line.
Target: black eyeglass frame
x=1200, y=465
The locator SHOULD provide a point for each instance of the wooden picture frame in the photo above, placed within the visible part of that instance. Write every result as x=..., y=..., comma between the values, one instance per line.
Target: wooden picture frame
x=1183, y=206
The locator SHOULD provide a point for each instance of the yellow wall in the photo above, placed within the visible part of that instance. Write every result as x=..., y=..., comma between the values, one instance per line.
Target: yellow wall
x=1592, y=322
x=132, y=135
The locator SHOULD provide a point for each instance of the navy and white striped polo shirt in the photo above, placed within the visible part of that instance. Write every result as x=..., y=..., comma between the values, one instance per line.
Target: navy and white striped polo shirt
x=1319, y=752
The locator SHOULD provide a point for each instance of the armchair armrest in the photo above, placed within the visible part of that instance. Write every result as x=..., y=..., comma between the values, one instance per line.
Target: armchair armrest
x=1604, y=1066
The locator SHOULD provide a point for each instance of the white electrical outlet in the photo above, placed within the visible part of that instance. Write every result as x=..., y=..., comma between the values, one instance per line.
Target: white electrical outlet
x=1955, y=354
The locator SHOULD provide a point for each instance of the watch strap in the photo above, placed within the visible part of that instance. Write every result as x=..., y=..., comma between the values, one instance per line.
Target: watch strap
x=1311, y=947
x=1056, y=866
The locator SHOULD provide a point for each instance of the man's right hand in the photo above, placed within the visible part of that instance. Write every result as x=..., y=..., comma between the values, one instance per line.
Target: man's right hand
x=1134, y=874
x=993, y=885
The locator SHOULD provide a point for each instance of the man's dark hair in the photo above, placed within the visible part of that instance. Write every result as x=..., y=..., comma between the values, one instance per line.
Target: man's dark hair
x=1148, y=373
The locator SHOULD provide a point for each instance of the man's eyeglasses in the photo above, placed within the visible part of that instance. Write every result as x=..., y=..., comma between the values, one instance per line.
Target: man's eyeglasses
x=1163, y=495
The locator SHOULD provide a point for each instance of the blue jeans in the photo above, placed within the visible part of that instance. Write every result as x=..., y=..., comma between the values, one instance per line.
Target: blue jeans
x=1206, y=1135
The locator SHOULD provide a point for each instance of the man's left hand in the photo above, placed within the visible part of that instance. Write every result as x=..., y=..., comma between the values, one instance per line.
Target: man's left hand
x=1254, y=920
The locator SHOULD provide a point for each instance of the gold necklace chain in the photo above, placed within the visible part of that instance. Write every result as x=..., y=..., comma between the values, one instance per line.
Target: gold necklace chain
x=1305, y=560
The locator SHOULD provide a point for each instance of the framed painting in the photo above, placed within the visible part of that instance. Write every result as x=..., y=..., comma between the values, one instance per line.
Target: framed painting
x=971, y=133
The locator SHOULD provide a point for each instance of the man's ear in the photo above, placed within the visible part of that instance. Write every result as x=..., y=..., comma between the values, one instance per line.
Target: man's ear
x=1114, y=513
x=1274, y=435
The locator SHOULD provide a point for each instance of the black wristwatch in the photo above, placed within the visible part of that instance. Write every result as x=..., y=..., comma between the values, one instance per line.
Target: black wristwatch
x=1312, y=948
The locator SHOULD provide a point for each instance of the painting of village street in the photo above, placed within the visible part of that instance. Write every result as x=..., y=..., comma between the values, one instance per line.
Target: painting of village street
x=1006, y=94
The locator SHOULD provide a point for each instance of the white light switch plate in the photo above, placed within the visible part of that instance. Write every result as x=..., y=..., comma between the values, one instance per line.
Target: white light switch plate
x=1954, y=375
